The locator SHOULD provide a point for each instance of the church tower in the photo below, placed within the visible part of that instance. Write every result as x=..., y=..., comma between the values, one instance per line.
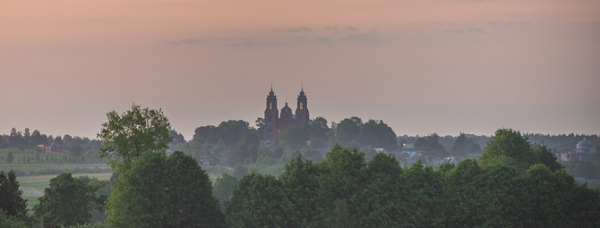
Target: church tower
x=271, y=117
x=302, y=115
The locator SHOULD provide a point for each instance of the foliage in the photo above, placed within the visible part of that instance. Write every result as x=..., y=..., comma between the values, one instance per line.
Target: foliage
x=11, y=200
x=66, y=202
x=317, y=133
x=125, y=137
x=223, y=187
x=10, y=157
x=347, y=131
x=509, y=146
x=430, y=146
x=257, y=201
x=346, y=191
x=377, y=134
x=463, y=146
x=293, y=138
x=164, y=192
x=10, y=221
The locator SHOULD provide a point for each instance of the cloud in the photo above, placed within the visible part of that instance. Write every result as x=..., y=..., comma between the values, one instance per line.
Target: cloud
x=185, y=42
x=476, y=30
x=352, y=28
x=506, y=24
x=462, y=31
x=361, y=38
x=453, y=31
x=302, y=35
x=322, y=39
x=294, y=30
x=252, y=42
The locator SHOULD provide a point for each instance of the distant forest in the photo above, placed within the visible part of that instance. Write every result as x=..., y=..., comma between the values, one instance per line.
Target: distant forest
x=346, y=174
x=236, y=143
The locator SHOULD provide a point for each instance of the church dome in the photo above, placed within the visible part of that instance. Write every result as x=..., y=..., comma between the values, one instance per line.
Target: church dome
x=286, y=107
x=585, y=147
x=584, y=144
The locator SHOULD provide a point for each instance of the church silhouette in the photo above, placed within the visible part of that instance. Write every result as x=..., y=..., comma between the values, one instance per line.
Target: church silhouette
x=275, y=123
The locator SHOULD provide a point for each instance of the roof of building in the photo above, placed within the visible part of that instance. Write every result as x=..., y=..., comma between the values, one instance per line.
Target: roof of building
x=584, y=144
x=271, y=94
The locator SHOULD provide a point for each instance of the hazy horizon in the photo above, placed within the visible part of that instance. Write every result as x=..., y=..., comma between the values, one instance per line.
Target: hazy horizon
x=420, y=66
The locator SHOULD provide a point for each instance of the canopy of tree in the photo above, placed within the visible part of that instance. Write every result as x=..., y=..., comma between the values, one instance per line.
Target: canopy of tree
x=11, y=202
x=510, y=147
x=125, y=136
x=347, y=191
x=66, y=202
x=161, y=191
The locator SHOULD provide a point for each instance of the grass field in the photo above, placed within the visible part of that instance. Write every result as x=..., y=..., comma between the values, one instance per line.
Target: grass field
x=34, y=177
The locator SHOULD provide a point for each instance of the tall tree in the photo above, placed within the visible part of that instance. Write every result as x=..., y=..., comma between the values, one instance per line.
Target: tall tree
x=11, y=201
x=223, y=187
x=317, y=133
x=164, y=192
x=347, y=131
x=126, y=136
x=67, y=201
x=258, y=201
x=10, y=157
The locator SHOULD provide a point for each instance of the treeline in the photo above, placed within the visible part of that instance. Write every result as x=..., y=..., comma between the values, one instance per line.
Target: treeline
x=238, y=137
x=514, y=184
x=74, y=149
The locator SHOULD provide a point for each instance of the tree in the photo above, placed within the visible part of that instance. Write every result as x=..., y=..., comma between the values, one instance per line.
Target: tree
x=67, y=201
x=10, y=157
x=377, y=134
x=10, y=222
x=37, y=139
x=317, y=133
x=509, y=146
x=223, y=187
x=11, y=202
x=300, y=185
x=164, y=192
x=430, y=145
x=125, y=137
x=347, y=130
x=258, y=201
x=293, y=138
x=58, y=141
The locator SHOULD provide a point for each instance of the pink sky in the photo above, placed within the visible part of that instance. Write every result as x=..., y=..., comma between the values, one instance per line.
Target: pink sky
x=444, y=66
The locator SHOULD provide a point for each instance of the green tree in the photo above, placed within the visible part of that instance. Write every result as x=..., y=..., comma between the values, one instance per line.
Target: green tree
x=300, y=185
x=11, y=201
x=431, y=146
x=126, y=136
x=347, y=131
x=223, y=187
x=509, y=146
x=257, y=201
x=10, y=157
x=164, y=192
x=544, y=156
x=377, y=134
x=66, y=202
x=293, y=138
x=317, y=133
x=459, y=148
x=10, y=222
x=382, y=203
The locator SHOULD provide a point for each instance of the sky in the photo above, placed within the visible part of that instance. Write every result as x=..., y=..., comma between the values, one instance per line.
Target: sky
x=423, y=66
